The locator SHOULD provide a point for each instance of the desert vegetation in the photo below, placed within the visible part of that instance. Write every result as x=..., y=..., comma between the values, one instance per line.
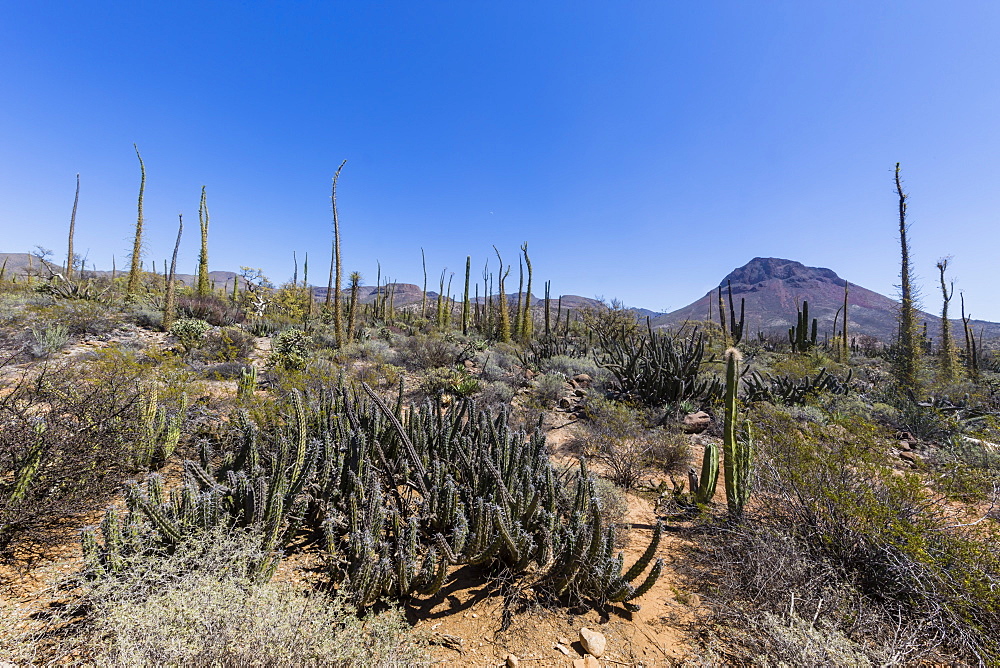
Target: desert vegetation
x=260, y=474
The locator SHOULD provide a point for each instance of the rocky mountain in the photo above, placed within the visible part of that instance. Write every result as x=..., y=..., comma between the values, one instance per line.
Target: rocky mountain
x=773, y=288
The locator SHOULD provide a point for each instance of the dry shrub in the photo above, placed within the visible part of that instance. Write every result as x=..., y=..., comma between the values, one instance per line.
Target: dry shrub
x=66, y=439
x=197, y=607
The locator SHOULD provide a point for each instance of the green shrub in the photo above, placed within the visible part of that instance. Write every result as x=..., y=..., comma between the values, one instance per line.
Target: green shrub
x=549, y=388
x=289, y=349
x=189, y=332
x=49, y=340
x=426, y=351
x=227, y=345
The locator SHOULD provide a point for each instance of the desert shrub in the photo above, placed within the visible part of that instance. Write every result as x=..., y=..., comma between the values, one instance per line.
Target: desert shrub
x=426, y=351
x=148, y=318
x=49, y=340
x=289, y=349
x=495, y=394
x=66, y=439
x=902, y=544
x=189, y=333
x=86, y=318
x=224, y=371
x=227, y=345
x=549, y=388
x=213, y=309
x=198, y=607
x=384, y=377
x=572, y=366
x=448, y=381
x=619, y=437
x=670, y=452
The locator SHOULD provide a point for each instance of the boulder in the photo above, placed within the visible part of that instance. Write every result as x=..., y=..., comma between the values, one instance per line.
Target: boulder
x=593, y=642
x=695, y=423
x=583, y=380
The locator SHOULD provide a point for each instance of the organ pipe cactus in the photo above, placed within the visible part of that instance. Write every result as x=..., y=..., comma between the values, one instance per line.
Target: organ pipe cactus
x=798, y=335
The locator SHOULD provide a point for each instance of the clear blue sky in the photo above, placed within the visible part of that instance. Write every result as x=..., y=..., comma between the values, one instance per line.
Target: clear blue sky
x=643, y=149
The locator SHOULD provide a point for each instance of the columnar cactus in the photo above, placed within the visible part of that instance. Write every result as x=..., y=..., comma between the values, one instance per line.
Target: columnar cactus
x=737, y=452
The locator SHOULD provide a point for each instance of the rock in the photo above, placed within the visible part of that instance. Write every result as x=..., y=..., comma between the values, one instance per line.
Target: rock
x=565, y=403
x=583, y=379
x=529, y=374
x=469, y=364
x=513, y=661
x=593, y=642
x=904, y=446
x=693, y=600
x=911, y=457
x=580, y=393
x=695, y=423
x=563, y=640
x=562, y=648
x=586, y=662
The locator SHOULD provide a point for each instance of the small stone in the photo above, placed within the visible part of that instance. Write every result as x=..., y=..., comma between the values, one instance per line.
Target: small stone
x=593, y=642
x=911, y=457
x=563, y=640
x=586, y=662
x=695, y=423
x=580, y=393
x=693, y=600
x=562, y=648
x=565, y=403
x=529, y=374
x=583, y=379
x=513, y=661
x=469, y=364
x=904, y=446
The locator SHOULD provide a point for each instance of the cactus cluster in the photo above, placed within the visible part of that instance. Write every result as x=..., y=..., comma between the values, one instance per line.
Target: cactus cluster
x=657, y=368
x=787, y=390
x=393, y=496
x=159, y=430
x=799, y=335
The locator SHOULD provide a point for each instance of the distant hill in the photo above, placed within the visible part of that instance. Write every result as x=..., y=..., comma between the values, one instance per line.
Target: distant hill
x=773, y=288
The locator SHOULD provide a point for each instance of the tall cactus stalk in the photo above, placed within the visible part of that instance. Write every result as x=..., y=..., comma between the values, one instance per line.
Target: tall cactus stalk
x=423, y=293
x=352, y=309
x=465, y=300
x=947, y=352
x=70, y=260
x=845, y=342
x=736, y=453
x=518, y=314
x=170, y=303
x=908, y=360
x=335, y=265
x=203, y=282
x=503, y=310
x=527, y=325
x=136, y=263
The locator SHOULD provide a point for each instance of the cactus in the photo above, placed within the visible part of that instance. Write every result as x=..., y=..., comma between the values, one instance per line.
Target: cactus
x=527, y=324
x=203, y=278
x=737, y=453
x=247, y=383
x=798, y=335
x=394, y=497
x=135, y=265
x=657, y=369
x=709, y=475
x=465, y=300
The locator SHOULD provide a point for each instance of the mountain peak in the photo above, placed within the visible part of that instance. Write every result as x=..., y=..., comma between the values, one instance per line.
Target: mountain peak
x=763, y=269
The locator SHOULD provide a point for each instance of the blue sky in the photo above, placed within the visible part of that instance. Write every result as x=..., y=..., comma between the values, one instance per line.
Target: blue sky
x=642, y=149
